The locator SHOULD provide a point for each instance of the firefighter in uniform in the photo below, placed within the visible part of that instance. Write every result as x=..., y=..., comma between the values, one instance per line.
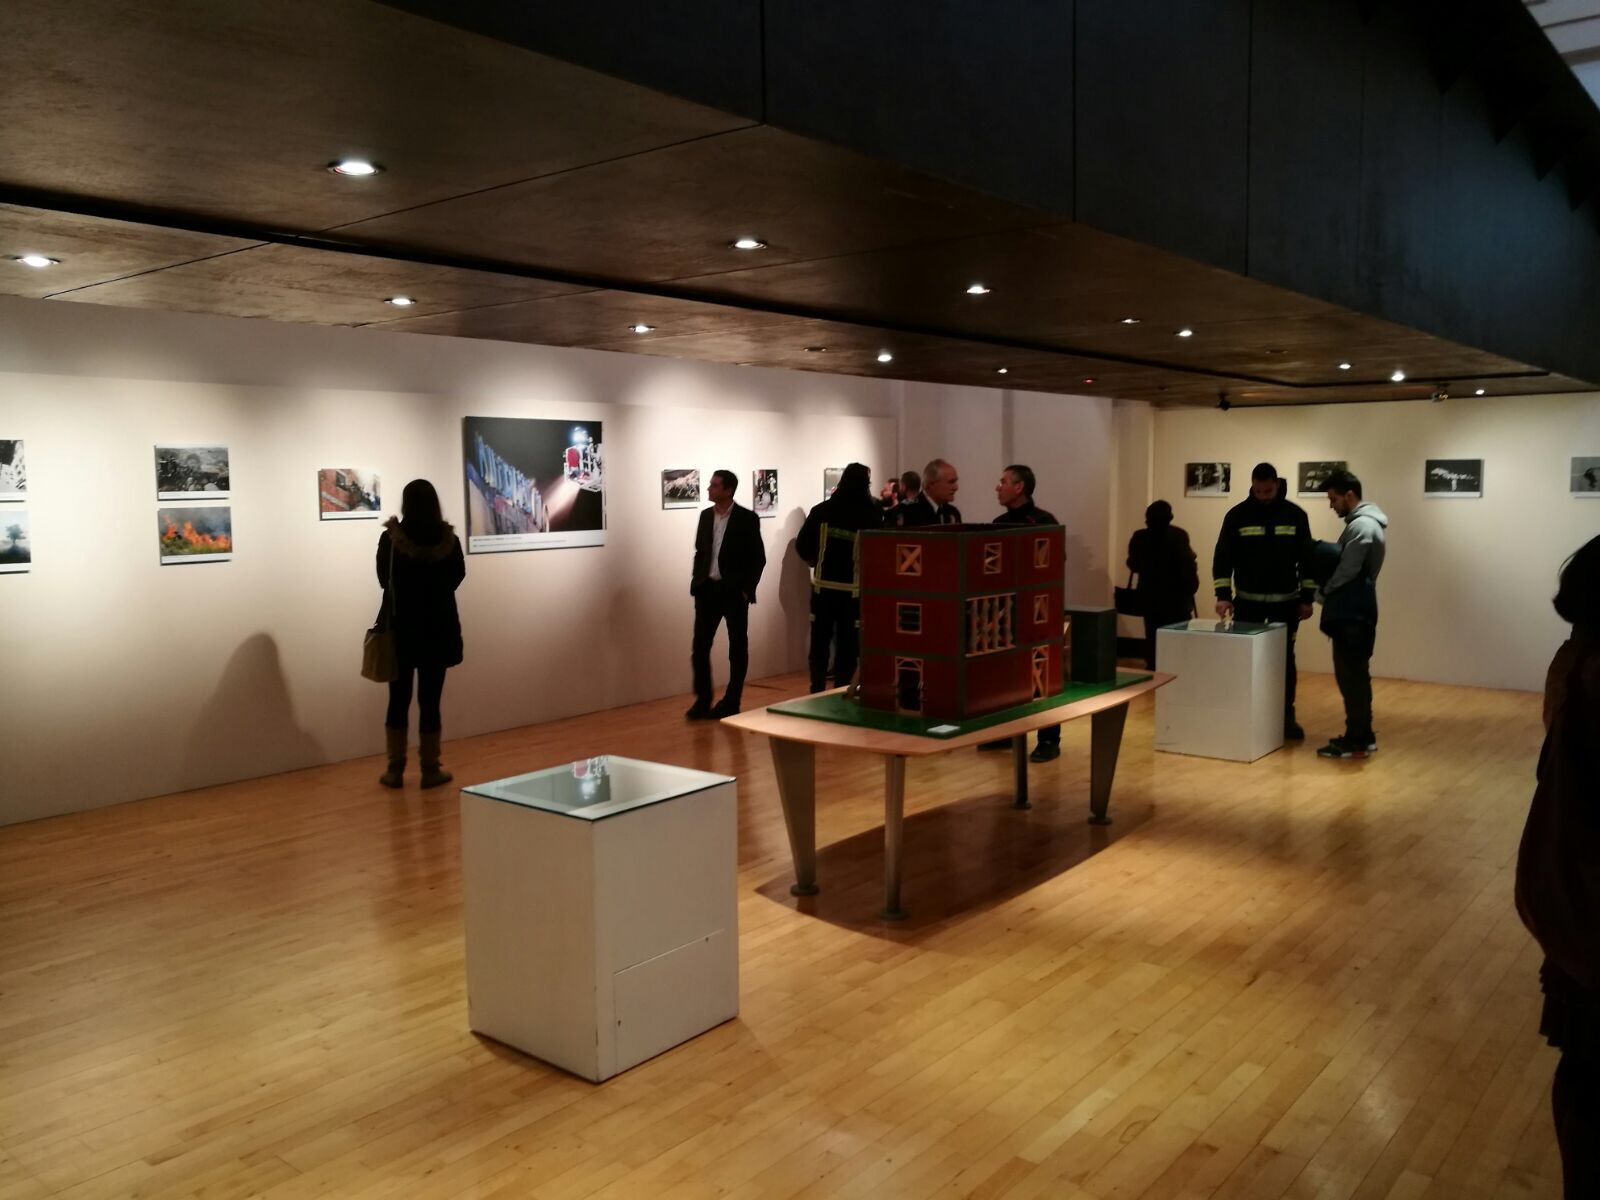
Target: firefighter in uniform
x=1262, y=569
x=829, y=544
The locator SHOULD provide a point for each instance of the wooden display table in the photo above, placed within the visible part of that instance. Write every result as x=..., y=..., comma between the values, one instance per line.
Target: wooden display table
x=794, y=740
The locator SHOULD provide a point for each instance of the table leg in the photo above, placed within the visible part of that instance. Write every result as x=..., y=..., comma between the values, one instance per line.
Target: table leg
x=894, y=811
x=1105, y=741
x=1019, y=768
x=796, y=766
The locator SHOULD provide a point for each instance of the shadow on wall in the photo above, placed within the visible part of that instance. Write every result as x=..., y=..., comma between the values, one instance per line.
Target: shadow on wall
x=1086, y=577
x=251, y=715
x=794, y=595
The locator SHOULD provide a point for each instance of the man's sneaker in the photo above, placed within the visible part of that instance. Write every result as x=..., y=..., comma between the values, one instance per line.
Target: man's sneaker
x=1045, y=752
x=1292, y=732
x=1344, y=748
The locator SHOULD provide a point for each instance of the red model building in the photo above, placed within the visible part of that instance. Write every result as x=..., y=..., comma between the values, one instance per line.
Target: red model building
x=961, y=620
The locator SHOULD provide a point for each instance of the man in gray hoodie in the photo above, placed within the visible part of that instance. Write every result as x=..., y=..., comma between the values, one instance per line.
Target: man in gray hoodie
x=1350, y=610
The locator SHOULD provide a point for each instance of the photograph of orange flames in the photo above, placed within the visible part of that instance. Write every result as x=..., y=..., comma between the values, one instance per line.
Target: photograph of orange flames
x=195, y=534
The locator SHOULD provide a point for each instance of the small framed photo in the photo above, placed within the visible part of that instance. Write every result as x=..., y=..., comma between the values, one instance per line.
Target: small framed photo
x=16, y=548
x=830, y=480
x=192, y=473
x=1458, y=478
x=680, y=487
x=191, y=535
x=1585, y=476
x=1313, y=477
x=13, y=470
x=347, y=494
x=764, y=491
x=1207, y=478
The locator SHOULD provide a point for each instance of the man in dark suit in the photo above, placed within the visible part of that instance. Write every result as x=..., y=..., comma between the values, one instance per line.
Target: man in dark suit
x=728, y=560
x=936, y=504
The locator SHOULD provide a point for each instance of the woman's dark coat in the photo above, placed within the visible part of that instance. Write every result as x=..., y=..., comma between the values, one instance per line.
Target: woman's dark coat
x=421, y=605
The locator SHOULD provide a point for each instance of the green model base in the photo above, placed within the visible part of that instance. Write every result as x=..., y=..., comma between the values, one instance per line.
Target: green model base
x=842, y=711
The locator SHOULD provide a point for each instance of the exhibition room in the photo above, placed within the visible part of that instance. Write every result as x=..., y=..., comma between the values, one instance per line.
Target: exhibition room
x=764, y=599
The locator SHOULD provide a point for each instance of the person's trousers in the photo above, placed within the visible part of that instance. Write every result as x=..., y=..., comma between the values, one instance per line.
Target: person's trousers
x=1575, y=1099
x=1153, y=622
x=1352, y=658
x=715, y=603
x=429, y=683
x=835, y=626
x=1288, y=613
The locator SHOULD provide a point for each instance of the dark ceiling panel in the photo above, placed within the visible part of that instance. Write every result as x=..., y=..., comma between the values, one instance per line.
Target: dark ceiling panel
x=90, y=249
x=296, y=283
x=976, y=93
x=233, y=108
x=674, y=212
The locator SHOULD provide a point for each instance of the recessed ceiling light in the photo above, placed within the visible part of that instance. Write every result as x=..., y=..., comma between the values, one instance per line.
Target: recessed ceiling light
x=749, y=243
x=977, y=289
x=1186, y=332
x=1398, y=377
x=1479, y=392
x=355, y=168
x=1276, y=350
x=400, y=301
x=641, y=327
x=884, y=356
x=1001, y=370
x=1344, y=366
x=816, y=349
x=1130, y=320
x=1089, y=379
x=36, y=260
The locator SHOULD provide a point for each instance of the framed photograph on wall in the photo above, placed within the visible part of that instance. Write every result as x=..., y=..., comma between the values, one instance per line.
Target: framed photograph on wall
x=192, y=473
x=1313, y=476
x=347, y=494
x=16, y=549
x=1207, y=478
x=533, y=484
x=764, y=491
x=1585, y=476
x=680, y=487
x=13, y=470
x=199, y=534
x=1461, y=478
x=830, y=480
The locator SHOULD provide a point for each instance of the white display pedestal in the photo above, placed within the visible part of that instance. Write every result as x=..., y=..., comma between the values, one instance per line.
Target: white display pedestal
x=601, y=910
x=1227, y=700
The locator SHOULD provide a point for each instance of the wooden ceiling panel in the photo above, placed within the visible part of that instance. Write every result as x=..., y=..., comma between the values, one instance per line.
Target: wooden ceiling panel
x=233, y=108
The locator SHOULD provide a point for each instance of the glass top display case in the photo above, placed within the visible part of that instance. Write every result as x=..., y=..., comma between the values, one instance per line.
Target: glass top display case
x=1212, y=625
x=592, y=789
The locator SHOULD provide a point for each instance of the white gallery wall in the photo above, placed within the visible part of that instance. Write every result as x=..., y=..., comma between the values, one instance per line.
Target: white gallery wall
x=1465, y=592
x=123, y=678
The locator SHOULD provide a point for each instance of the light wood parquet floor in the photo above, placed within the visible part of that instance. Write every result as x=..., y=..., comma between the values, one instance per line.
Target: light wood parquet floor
x=1292, y=979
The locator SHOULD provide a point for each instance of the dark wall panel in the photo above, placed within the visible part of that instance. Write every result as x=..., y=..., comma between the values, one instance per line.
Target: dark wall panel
x=1162, y=101
x=708, y=51
x=976, y=93
x=1305, y=145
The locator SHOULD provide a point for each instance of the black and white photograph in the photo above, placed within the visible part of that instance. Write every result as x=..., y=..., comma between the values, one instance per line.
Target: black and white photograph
x=348, y=494
x=192, y=473
x=1313, y=476
x=764, y=491
x=680, y=487
x=1207, y=478
x=13, y=470
x=1585, y=476
x=533, y=484
x=830, y=480
x=200, y=534
x=16, y=550
x=1461, y=478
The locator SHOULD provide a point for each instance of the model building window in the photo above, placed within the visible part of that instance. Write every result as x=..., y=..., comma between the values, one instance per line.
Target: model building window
x=908, y=618
x=907, y=559
x=1041, y=668
x=1041, y=609
x=991, y=558
x=908, y=684
x=991, y=624
x=1041, y=552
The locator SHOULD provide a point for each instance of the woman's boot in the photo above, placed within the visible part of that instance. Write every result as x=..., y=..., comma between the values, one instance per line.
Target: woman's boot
x=433, y=775
x=395, y=739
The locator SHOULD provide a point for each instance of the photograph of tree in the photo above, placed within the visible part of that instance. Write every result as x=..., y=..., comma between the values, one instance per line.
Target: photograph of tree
x=16, y=550
x=195, y=534
x=347, y=494
x=13, y=470
x=191, y=472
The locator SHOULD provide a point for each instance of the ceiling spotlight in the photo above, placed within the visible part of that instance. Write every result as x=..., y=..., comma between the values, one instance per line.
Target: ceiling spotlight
x=1185, y=332
x=977, y=289
x=36, y=260
x=355, y=168
x=1479, y=392
x=640, y=328
x=1344, y=366
x=1398, y=377
x=1001, y=370
x=749, y=243
x=1089, y=380
x=400, y=301
x=1130, y=320
x=816, y=349
x=884, y=356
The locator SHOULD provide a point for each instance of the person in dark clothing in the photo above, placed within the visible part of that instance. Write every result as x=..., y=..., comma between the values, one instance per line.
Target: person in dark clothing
x=1168, y=574
x=936, y=504
x=728, y=560
x=1262, y=569
x=420, y=566
x=829, y=544
x=896, y=494
x=1558, y=873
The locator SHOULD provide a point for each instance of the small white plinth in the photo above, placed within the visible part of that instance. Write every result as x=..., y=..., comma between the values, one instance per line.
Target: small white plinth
x=1227, y=700
x=601, y=910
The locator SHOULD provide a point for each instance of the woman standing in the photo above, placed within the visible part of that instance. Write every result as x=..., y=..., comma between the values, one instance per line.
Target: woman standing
x=1161, y=557
x=1558, y=872
x=420, y=565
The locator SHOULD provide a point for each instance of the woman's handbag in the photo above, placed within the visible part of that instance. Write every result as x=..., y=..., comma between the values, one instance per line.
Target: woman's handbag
x=377, y=647
x=1128, y=601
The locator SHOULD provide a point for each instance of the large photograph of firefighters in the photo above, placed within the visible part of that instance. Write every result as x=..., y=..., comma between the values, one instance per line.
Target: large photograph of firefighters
x=190, y=535
x=533, y=484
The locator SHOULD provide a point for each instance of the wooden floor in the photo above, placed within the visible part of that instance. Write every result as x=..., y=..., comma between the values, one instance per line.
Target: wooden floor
x=1298, y=978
